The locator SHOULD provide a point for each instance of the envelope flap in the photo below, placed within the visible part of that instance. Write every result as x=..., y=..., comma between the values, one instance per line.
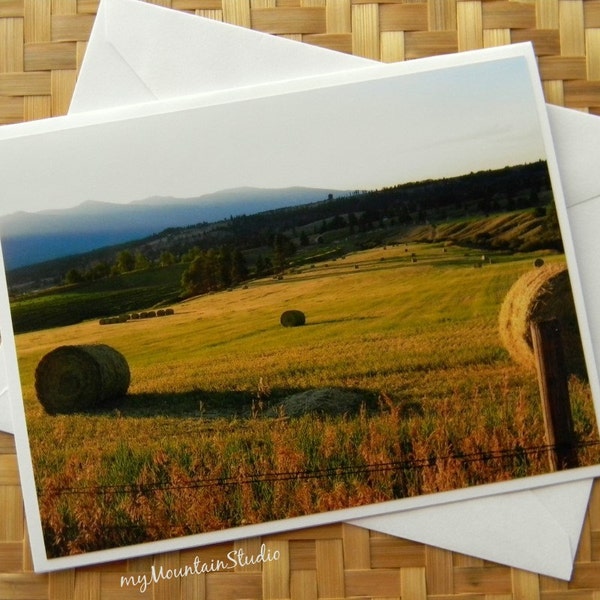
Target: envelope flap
x=106, y=77
x=174, y=53
x=578, y=151
x=511, y=534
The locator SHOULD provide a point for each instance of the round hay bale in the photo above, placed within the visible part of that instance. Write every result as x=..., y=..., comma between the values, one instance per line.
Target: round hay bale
x=292, y=318
x=322, y=402
x=538, y=262
x=78, y=378
x=169, y=311
x=160, y=313
x=540, y=294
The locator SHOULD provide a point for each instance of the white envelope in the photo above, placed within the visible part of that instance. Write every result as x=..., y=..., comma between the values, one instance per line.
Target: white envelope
x=138, y=55
x=189, y=56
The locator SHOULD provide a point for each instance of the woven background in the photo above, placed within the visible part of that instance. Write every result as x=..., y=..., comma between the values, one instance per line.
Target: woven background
x=42, y=43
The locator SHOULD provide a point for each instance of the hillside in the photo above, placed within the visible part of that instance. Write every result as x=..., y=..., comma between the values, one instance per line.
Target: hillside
x=30, y=238
x=497, y=235
x=379, y=213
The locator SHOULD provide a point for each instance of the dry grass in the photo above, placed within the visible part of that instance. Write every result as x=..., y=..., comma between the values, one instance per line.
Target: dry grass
x=420, y=340
x=540, y=294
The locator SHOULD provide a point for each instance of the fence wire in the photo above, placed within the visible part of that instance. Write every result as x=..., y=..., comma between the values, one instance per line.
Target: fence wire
x=278, y=476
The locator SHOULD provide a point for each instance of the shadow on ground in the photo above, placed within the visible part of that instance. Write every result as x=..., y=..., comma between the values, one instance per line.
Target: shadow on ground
x=243, y=405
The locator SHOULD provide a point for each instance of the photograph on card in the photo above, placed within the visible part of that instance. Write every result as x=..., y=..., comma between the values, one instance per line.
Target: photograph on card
x=291, y=305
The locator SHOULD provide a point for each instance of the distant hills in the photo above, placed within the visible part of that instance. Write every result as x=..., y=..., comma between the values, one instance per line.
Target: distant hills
x=30, y=238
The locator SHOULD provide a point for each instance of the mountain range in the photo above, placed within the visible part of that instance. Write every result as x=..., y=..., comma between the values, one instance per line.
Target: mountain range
x=30, y=238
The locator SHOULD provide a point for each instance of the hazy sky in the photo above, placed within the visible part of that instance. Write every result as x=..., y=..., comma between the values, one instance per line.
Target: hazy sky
x=361, y=135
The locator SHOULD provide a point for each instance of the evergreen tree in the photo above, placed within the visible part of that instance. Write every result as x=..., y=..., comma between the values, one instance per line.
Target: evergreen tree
x=225, y=266
x=73, y=276
x=284, y=248
x=239, y=268
x=125, y=262
x=193, y=279
x=259, y=266
x=166, y=259
x=141, y=261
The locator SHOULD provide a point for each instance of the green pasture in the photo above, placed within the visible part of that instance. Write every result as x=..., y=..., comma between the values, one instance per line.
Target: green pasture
x=104, y=298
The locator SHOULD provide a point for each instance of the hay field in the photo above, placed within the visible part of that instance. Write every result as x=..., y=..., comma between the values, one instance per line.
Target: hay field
x=194, y=446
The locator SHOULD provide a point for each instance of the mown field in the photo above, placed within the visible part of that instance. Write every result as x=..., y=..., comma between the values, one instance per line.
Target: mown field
x=200, y=444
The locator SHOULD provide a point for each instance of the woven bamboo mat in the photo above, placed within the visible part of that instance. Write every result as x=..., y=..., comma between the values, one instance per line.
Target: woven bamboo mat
x=42, y=43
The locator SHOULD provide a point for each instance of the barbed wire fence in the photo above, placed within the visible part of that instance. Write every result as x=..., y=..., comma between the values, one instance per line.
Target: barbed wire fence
x=517, y=452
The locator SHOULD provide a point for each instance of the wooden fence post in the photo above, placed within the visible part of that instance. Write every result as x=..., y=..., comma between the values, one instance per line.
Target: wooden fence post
x=554, y=391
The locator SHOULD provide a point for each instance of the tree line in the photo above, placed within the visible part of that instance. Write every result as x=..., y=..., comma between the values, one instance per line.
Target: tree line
x=208, y=270
x=266, y=241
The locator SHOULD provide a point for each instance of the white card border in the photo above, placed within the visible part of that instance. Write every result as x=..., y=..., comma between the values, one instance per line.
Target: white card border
x=41, y=563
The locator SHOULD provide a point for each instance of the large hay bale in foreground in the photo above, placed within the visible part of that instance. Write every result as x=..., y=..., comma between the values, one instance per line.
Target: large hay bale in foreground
x=78, y=378
x=541, y=294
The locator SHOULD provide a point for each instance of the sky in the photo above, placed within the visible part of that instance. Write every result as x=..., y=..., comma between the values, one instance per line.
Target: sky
x=359, y=135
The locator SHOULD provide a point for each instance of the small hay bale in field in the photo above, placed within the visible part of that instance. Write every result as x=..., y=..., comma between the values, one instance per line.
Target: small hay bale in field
x=102, y=321
x=292, y=318
x=78, y=378
x=322, y=402
x=169, y=311
x=135, y=316
x=538, y=262
x=160, y=313
x=540, y=294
